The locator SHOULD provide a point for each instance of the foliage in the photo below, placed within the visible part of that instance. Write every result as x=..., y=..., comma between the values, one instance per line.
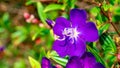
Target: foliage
x=35, y=40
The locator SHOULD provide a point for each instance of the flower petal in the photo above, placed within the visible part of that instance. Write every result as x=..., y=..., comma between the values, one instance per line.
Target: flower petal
x=60, y=47
x=77, y=48
x=58, y=29
x=45, y=63
x=74, y=62
x=89, y=32
x=78, y=17
x=89, y=60
x=62, y=21
x=60, y=24
x=98, y=65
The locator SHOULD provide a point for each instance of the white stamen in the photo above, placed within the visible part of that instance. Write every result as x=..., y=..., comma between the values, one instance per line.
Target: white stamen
x=72, y=33
x=60, y=39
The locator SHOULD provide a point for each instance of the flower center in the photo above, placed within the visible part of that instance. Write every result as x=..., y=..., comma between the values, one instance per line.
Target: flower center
x=72, y=33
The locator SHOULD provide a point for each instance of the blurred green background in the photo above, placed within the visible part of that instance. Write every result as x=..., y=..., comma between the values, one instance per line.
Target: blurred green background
x=20, y=38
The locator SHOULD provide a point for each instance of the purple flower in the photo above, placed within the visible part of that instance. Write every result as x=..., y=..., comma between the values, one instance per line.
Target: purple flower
x=73, y=34
x=46, y=63
x=86, y=61
x=2, y=48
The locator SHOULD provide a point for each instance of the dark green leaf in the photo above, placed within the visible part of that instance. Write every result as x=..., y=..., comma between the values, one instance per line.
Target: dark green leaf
x=69, y=4
x=116, y=18
x=6, y=18
x=59, y=60
x=109, y=48
x=108, y=44
x=117, y=11
x=103, y=28
x=112, y=2
x=101, y=18
x=56, y=58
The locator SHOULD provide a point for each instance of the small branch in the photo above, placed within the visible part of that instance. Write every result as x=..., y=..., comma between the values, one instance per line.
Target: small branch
x=105, y=14
x=92, y=2
x=115, y=28
x=48, y=1
x=108, y=15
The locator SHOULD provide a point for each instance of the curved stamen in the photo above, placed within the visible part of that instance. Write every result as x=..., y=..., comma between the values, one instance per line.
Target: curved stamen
x=72, y=33
x=61, y=39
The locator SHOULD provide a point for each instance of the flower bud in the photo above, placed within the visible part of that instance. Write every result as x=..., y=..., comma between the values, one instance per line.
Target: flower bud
x=2, y=48
x=35, y=20
x=50, y=23
x=26, y=15
x=58, y=66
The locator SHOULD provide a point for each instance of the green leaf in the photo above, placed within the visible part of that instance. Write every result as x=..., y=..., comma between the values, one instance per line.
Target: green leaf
x=59, y=60
x=42, y=53
x=94, y=11
x=69, y=4
x=108, y=44
x=72, y=3
x=6, y=22
x=52, y=15
x=35, y=36
x=116, y=18
x=41, y=14
x=6, y=18
x=101, y=18
x=106, y=6
x=112, y=2
x=103, y=28
x=34, y=63
x=29, y=2
x=54, y=56
x=52, y=7
x=117, y=11
x=109, y=48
